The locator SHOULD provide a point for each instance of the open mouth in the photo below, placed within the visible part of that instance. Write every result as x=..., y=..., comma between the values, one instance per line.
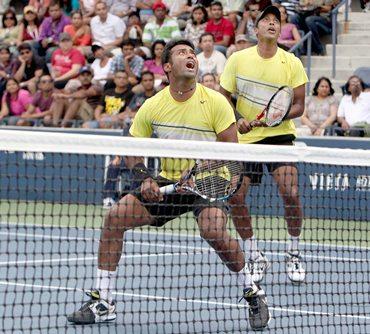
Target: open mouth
x=272, y=30
x=190, y=64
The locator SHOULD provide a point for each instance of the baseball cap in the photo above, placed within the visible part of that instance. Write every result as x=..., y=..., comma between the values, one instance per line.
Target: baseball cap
x=241, y=37
x=159, y=4
x=29, y=9
x=64, y=36
x=86, y=69
x=269, y=10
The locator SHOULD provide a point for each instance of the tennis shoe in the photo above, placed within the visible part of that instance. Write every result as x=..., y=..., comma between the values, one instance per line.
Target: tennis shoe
x=108, y=202
x=94, y=311
x=295, y=270
x=258, y=267
x=259, y=314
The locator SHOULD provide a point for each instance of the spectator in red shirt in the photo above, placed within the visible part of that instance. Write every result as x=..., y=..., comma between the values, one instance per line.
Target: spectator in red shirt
x=66, y=61
x=222, y=29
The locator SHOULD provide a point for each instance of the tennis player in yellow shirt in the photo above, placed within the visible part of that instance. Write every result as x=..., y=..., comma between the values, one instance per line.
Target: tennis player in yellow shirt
x=183, y=110
x=254, y=75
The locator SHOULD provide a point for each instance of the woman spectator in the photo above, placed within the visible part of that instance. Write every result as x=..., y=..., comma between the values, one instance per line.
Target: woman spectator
x=29, y=27
x=134, y=32
x=10, y=30
x=154, y=65
x=209, y=80
x=14, y=103
x=101, y=65
x=321, y=108
x=197, y=24
x=289, y=34
x=80, y=32
x=8, y=66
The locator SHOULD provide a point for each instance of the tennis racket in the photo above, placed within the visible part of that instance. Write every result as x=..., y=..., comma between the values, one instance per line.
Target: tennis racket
x=211, y=180
x=277, y=108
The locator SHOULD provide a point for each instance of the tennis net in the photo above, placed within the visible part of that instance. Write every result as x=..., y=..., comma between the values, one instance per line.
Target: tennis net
x=169, y=280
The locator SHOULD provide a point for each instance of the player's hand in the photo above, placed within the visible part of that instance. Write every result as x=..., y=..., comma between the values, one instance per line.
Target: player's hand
x=258, y=124
x=150, y=191
x=243, y=126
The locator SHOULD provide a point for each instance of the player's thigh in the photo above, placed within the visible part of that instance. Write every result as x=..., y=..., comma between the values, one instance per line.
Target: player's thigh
x=286, y=178
x=241, y=193
x=129, y=213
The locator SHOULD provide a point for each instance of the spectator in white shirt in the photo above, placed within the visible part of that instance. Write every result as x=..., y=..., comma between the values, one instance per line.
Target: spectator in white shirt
x=121, y=8
x=355, y=105
x=101, y=65
x=210, y=60
x=107, y=29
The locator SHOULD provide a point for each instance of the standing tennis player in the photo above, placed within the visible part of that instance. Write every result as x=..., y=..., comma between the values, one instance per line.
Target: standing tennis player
x=183, y=110
x=255, y=74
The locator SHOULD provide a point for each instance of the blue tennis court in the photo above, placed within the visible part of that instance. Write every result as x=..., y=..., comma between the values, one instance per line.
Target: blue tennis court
x=173, y=283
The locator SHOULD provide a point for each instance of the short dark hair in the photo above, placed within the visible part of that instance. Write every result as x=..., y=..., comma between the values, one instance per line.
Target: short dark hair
x=120, y=71
x=317, y=84
x=55, y=3
x=77, y=11
x=346, y=86
x=158, y=41
x=204, y=35
x=24, y=46
x=210, y=74
x=166, y=55
x=127, y=42
x=147, y=73
x=9, y=11
x=205, y=13
x=216, y=3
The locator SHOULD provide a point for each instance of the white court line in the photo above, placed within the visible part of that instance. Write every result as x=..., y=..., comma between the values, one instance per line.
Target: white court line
x=87, y=258
x=201, y=249
x=193, y=301
x=182, y=235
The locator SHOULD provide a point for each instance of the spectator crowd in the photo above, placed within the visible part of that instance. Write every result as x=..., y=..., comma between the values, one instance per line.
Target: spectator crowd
x=93, y=63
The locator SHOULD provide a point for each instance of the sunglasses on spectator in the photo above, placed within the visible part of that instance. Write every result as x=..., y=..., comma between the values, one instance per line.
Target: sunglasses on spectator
x=9, y=18
x=46, y=81
x=253, y=10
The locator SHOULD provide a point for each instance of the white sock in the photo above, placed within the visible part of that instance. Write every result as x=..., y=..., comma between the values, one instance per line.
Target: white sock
x=245, y=277
x=293, y=246
x=106, y=283
x=251, y=247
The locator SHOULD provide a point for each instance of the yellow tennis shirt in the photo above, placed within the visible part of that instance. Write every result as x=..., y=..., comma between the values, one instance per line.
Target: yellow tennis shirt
x=255, y=79
x=202, y=117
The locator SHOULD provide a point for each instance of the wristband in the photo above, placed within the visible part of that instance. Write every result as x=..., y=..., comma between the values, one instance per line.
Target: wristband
x=140, y=172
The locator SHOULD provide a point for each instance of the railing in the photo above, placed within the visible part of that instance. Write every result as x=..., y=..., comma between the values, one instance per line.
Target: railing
x=308, y=38
x=334, y=15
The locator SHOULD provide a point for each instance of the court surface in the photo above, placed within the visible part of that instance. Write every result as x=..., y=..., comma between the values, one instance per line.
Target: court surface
x=171, y=282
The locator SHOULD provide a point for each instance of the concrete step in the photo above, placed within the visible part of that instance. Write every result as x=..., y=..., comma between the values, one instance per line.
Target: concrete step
x=356, y=17
x=360, y=38
x=349, y=50
x=341, y=74
x=353, y=25
x=342, y=62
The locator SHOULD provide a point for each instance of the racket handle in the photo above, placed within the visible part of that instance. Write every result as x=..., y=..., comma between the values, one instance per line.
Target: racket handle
x=166, y=190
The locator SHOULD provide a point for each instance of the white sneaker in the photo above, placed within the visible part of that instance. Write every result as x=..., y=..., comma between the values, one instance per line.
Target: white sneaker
x=258, y=267
x=108, y=203
x=94, y=311
x=295, y=270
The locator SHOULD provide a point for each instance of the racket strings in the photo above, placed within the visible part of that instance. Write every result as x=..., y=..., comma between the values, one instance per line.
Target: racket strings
x=279, y=106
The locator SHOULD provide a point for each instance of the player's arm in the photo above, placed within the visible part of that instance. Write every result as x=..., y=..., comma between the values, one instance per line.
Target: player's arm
x=229, y=135
x=298, y=102
x=243, y=126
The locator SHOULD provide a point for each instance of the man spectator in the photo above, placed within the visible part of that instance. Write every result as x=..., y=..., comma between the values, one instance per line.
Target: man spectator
x=354, y=108
x=162, y=27
x=66, y=61
x=241, y=42
x=222, y=29
x=108, y=113
x=147, y=81
x=247, y=24
x=31, y=67
x=106, y=28
x=50, y=29
x=39, y=109
x=121, y=8
x=210, y=60
x=77, y=103
x=128, y=61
